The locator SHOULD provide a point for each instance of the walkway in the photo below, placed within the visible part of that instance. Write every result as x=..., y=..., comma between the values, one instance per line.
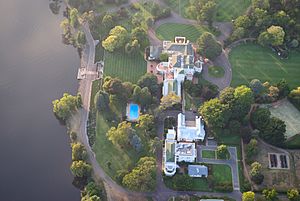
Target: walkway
x=232, y=162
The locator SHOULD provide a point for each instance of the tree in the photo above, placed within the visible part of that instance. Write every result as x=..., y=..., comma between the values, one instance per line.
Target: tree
x=273, y=36
x=170, y=101
x=141, y=35
x=80, y=38
x=243, y=99
x=121, y=135
x=132, y=47
x=283, y=87
x=251, y=148
x=227, y=95
x=74, y=17
x=270, y=194
x=263, y=4
x=293, y=194
x=149, y=80
x=222, y=151
x=91, y=192
x=260, y=118
x=107, y=21
x=248, y=196
x=81, y=169
x=207, y=12
x=78, y=152
x=146, y=122
x=256, y=86
x=116, y=39
x=92, y=198
x=273, y=93
x=214, y=113
x=255, y=173
x=294, y=97
x=243, y=21
x=102, y=101
x=64, y=107
x=114, y=86
x=235, y=127
x=209, y=46
x=154, y=145
x=142, y=177
x=145, y=98
x=136, y=95
x=274, y=132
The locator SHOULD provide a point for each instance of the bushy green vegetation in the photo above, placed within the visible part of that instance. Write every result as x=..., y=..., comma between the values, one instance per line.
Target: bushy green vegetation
x=255, y=62
x=64, y=107
x=168, y=31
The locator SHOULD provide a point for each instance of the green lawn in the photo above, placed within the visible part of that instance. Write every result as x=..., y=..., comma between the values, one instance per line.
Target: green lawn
x=124, y=66
x=95, y=89
x=221, y=173
x=252, y=61
x=208, y=154
x=120, y=159
x=228, y=10
x=198, y=184
x=216, y=71
x=168, y=31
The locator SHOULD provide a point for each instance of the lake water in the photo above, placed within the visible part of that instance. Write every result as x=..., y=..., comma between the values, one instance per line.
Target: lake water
x=35, y=69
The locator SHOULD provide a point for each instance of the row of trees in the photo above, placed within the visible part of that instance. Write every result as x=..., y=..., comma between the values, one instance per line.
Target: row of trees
x=267, y=93
x=72, y=34
x=64, y=106
x=81, y=169
x=294, y=97
x=271, y=195
x=273, y=22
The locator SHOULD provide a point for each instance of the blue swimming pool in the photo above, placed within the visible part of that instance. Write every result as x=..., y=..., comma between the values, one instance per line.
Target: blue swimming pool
x=133, y=111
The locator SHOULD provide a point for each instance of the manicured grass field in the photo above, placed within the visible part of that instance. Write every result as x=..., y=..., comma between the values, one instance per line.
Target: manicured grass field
x=228, y=10
x=208, y=154
x=216, y=71
x=168, y=31
x=106, y=152
x=126, y=67
x=198, y=184
x=221, y=173
x=252, y=61
x=293, y=142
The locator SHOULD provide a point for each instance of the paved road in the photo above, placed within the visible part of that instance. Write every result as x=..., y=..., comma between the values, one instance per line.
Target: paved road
x=232, y=162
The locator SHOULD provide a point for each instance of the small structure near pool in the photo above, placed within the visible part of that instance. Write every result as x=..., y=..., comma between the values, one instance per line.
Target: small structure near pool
x=132, y=111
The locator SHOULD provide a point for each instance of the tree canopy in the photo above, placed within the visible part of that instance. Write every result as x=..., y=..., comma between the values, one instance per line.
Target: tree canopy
x=78, y=152
x=121, y=135
x=209, y=46
x=116, y=39
x=64, y=107
x=142, y=177
x=81, y=169
x=248, y=196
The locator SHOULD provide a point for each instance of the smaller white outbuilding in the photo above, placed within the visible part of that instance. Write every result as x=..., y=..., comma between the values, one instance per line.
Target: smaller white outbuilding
x=197, y=171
